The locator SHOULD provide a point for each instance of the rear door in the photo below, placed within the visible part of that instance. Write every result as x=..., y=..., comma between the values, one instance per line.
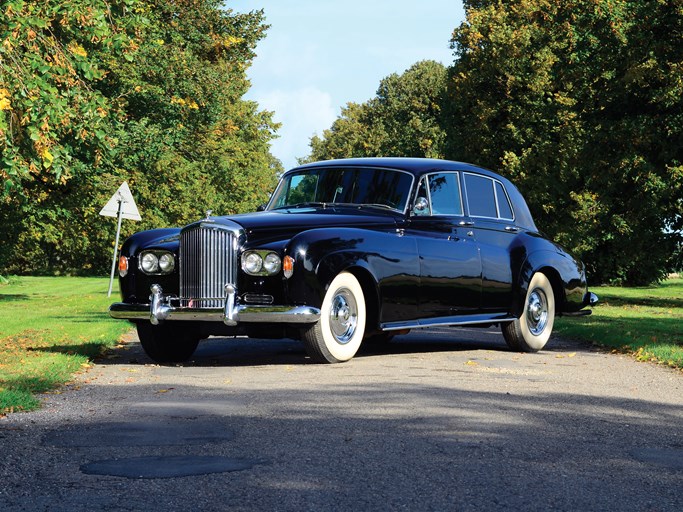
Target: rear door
x=492, y=218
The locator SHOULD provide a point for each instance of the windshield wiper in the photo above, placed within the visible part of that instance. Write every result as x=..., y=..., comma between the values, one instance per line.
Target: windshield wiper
x=378, y=205
x=302, y=205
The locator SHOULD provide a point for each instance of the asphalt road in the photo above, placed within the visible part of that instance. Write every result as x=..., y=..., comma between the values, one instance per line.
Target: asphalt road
x=442, y=419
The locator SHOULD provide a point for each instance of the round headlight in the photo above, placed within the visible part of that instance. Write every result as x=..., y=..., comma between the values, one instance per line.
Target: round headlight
x=149, y=263
x=166, y=262
x=271, y=263
x=252, y=263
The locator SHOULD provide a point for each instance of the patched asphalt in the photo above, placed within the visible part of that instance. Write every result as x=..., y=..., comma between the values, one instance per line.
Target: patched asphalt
x=440, y=419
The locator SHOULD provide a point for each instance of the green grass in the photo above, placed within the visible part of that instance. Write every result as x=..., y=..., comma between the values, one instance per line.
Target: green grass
x=647, y=322
x=50, y=328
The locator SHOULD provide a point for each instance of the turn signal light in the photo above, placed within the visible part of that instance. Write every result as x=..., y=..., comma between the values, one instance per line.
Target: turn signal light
x=288, y=266
x=123, y=266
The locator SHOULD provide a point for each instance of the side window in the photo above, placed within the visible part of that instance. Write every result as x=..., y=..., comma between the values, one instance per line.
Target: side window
x=504, y=208
x=481, y=197
x=444, y=192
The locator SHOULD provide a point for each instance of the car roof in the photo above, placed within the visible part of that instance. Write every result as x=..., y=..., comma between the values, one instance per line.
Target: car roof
x=417, y=166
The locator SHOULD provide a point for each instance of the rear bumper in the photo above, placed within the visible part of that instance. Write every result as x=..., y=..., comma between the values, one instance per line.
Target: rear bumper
x=589, y=299
x=160, y=309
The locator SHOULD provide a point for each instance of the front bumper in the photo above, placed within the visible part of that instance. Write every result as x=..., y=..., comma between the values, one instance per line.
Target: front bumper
x=160, y=309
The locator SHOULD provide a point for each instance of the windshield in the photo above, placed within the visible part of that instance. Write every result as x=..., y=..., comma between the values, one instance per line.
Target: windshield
x=357, y=186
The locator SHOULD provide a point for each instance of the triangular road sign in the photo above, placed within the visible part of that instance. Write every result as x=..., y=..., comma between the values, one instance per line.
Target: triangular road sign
x=128, y=208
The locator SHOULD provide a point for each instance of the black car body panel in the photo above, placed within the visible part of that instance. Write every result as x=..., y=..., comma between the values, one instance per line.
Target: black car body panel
x=465, y=260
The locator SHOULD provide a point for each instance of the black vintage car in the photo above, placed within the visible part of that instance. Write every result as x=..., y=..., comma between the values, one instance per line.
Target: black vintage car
x=354, y=250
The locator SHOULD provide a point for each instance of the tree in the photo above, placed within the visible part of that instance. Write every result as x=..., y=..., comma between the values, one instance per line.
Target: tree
x=402, y=120
x=580, y=103
x=95, y=92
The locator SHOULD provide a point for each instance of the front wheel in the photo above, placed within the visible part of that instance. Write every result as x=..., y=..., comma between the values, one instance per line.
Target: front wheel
x=170, y=342
x=337, y=335
x=531, y=331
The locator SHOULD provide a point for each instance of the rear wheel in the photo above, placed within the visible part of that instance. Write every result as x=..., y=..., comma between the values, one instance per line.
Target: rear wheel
x=170, y=342
x=531, y=331
x=337, y=335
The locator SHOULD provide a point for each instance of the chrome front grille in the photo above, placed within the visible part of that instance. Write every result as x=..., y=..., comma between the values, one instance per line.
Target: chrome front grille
x=207, y=264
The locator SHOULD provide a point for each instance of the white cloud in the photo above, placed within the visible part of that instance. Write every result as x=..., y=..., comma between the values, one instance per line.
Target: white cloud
x=302, y=113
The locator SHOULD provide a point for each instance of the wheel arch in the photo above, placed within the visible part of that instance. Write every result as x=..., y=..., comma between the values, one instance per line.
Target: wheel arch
x=322, y=255
x=545, y=263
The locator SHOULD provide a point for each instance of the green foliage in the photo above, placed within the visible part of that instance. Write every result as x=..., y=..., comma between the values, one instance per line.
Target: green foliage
x=581, y=104
x=646, y=321
x=402, y=120
x=148, y=91
x=50, y=327
x=53, y=122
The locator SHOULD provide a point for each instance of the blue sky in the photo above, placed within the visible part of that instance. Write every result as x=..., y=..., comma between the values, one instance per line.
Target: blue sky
x=319, y=55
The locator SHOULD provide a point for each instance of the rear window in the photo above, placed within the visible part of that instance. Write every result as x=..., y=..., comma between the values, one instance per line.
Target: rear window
x=486, y=197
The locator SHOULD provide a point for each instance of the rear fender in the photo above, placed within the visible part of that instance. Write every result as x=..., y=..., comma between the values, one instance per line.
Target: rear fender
x=566, y=275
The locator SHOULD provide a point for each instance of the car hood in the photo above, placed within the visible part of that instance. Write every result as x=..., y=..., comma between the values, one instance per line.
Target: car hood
x=276, y=223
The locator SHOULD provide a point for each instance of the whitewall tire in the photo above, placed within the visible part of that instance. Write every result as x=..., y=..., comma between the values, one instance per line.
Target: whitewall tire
x=531, y=331
x=337, y=335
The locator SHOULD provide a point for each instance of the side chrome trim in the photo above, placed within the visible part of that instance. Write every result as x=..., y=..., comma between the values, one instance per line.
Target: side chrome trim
x=449, y=320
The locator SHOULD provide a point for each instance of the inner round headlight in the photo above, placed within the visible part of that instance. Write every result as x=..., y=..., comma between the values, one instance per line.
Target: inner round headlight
x=271, y=263
x=149, y=263
x=252, y=263
x=166, y=262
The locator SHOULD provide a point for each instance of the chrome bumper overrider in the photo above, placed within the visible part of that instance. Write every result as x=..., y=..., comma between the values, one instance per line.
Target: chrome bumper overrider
x=160, y=309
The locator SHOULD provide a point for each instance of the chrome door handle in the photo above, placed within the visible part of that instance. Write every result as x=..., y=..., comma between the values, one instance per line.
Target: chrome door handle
x=465, y=223
x=512, y=229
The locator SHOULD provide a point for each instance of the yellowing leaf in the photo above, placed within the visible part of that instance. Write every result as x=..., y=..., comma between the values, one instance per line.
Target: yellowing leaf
x=4, y=100
x=77, y=49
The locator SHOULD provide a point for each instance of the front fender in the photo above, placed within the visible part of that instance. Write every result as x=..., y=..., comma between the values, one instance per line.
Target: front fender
x=321, y=254
x=135, y=285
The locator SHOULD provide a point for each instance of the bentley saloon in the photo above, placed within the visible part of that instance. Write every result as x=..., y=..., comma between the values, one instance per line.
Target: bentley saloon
x=349, y=252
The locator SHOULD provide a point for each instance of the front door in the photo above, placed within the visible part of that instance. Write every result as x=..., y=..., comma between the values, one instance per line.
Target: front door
x=450, y=263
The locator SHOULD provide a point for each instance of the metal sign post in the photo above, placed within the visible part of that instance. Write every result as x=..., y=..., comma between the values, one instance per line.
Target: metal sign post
x=121, y=205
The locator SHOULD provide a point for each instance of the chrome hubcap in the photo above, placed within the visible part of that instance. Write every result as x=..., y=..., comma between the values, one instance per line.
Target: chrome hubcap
x=537, y=311
x=343, y=316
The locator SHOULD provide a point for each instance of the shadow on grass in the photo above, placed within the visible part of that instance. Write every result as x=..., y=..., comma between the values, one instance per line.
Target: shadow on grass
x=8, y=297
x=91, y=349
x=652, y=302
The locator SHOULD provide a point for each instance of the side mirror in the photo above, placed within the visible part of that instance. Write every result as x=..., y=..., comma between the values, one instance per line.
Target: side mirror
x=421, y=206
x=261, y=208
